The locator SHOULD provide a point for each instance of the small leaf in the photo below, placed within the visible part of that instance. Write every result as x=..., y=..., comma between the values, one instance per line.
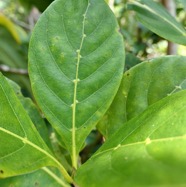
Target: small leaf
x=156, y=18
x=43, y=177
x=76, y=60
x=149, y=150
x=142, y=86
x=22, y=148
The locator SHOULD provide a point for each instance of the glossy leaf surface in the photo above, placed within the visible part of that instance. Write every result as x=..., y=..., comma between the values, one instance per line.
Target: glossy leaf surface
x=142, y=86
x=76, y=60
x=156, y=18
x=149, y=150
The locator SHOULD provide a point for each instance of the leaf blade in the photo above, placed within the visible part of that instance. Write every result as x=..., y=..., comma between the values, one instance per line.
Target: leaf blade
x=156, y=18
x=147, y=151
x=84, y=65
x=159, y=78
x=19, y=137
x=33, y=113
x=43, y=177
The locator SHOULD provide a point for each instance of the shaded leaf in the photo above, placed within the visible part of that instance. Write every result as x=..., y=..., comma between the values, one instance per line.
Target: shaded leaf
x=41, y=4
x=149, y=150
x=156, y=18
x=76, y=61
x=131, y=60
x=142, y=86
x=10, y=27
x=13, y=55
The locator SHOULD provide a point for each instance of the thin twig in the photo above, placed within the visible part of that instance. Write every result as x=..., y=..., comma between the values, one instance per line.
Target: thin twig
x=22, y=24
x=171, y=7
x=5, y=68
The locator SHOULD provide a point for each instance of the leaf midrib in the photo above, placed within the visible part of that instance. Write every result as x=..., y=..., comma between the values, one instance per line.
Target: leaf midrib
x=147, y=141
x=75, y=101
x=55, y=177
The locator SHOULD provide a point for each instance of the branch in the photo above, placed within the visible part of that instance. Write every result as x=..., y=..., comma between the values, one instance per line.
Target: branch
x=171, y=7
x=5, y=68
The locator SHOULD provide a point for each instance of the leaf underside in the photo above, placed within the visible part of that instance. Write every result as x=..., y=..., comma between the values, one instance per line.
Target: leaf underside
x=149, y=150
x=76, y=60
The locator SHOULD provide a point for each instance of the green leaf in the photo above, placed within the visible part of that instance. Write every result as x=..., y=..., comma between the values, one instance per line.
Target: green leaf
x=33, y=113
x=20, y=139
x=149, y=150
x=36, y=118
x=43, y=177
x=142, y=86
x=156, y=18
x=76, y=60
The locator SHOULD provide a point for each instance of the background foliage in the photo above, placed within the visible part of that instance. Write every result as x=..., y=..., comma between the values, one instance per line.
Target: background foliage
x=17, y=19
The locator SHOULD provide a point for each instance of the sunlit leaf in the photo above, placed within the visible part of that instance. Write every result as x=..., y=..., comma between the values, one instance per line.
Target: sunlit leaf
x=149, y=150
x=22, y=148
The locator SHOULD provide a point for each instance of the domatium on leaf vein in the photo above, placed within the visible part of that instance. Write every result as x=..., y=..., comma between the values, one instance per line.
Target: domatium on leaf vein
x=75, y=101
